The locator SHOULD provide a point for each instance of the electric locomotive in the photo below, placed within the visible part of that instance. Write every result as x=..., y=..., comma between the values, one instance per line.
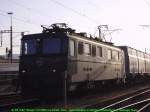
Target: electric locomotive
x=60, y=56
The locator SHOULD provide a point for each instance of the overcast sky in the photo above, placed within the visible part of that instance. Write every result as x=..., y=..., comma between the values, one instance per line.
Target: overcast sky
x=82, y=15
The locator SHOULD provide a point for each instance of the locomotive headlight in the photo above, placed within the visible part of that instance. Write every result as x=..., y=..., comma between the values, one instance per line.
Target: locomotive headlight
x=54, y=70
x=23, y=71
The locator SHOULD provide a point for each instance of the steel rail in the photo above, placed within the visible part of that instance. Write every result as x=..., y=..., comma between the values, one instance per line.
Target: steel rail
x=144, y=107
x=126, y=99
x=136, y=103
x=113, y=98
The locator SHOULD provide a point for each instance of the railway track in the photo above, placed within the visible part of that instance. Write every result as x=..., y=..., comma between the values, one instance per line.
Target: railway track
x=9, y=97
x=139, y=106
x=6, y=67
x=10, y=94
x=21, y=104
x=9, y=72
x=14, y=100
x=6, y=77
x=138, y=101
x=122, y=101
x=17, y=101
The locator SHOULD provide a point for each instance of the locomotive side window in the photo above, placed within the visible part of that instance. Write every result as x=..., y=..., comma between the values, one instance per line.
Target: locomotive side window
x=29, y=47
x=100, y=51
x=115, y=55
x=80, y=48
x=140, y=54
x=134, y=52
x=51, y=46
x=130, y=51
x=93, y=50
x=87, y=49
x=72, y=47
x=109, y=54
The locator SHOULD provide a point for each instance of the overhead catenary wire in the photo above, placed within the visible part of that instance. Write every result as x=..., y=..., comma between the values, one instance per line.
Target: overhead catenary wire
x=39, y=12
x=34, y=10
x=92, y=4
x=147, y=2
x=3, y=13
x=20, y=19
x=42, y=13
x=74, y=11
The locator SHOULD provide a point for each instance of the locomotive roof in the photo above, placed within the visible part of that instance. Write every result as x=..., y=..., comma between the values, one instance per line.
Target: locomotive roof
x=134, y=49
x=93, y=40
x=62, y=30
x=73, y=35
x=34, y=36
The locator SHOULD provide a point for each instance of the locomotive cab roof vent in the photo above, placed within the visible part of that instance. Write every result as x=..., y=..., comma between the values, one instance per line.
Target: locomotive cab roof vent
x=57, y=28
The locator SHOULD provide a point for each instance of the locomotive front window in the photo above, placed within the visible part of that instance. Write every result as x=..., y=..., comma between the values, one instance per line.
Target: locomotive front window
x=29, y=47
x=51, y=46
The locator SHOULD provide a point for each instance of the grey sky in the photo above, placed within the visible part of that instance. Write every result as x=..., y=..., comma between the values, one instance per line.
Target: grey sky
x=83, y=15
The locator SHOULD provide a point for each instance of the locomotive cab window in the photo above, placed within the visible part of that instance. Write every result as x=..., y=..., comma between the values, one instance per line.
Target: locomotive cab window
x=72, y=48
x=51, y=46
x=29, y=47
x=80, y=48
x=100, y=51
x=87, y=49
x=93, y=50
x=115, y=55
x=109, y=54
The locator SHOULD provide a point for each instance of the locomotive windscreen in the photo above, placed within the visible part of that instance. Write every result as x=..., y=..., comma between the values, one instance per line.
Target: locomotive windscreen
x=44, y=46
x=51, y=46
x=29, y=47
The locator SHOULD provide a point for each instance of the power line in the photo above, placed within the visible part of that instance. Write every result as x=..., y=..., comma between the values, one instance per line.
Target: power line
x=37, y=11
x=70, y=9
x=42, y=13
x=20, y=19
x=147, y=2
x=145, y=26
x=21, y=5
x=3, y=15
x=92, y=4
